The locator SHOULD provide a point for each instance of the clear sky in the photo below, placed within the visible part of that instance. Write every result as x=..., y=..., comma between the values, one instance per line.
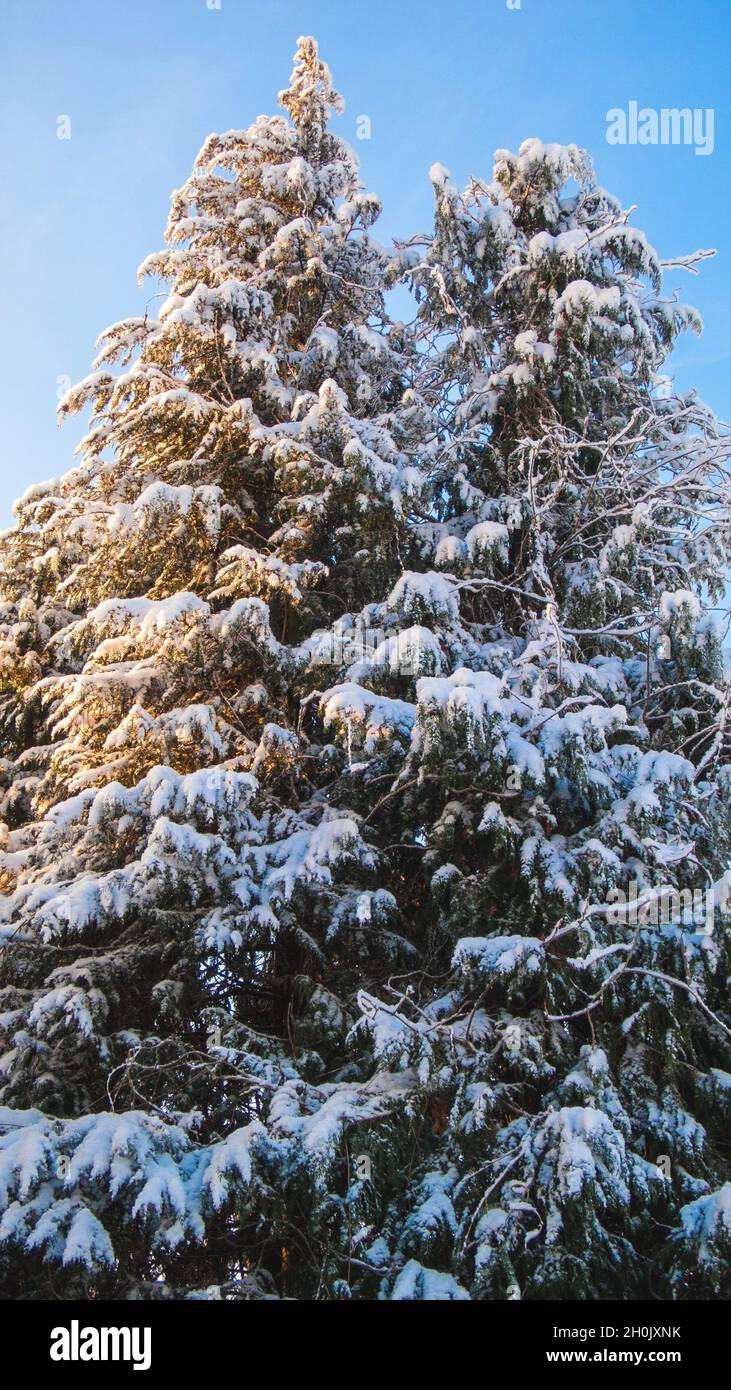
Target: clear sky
x=143, y=82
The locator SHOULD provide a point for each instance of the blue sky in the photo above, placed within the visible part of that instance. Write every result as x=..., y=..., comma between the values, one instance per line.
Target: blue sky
x=144, y=81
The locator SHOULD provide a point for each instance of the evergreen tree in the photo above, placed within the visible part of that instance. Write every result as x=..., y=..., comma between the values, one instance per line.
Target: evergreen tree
x=569, y=768
x=352, y=685
x=185, y=905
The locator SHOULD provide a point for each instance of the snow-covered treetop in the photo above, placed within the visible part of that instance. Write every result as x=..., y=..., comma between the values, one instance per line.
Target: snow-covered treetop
x=572, y=480
x=311, y=96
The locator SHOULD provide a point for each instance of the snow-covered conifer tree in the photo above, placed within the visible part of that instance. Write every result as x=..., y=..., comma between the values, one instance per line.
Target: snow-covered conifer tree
x=363, y=703
x=185, y=907
x=568, y=773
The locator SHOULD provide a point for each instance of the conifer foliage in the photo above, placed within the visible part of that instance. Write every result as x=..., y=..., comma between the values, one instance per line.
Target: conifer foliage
x=363, y=705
